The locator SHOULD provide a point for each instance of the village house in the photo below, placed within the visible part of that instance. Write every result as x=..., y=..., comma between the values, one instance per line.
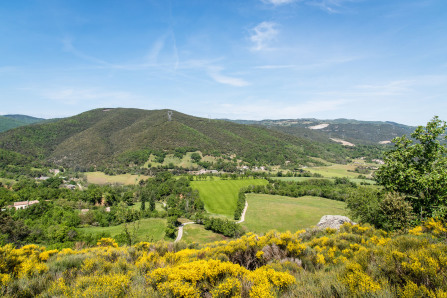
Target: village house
x=23, y=204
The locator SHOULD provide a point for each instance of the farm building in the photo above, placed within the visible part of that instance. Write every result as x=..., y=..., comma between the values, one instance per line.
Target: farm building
x=23, y=204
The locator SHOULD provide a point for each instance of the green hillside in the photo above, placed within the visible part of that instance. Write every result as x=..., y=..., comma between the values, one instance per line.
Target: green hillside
x=354, y=131
x=100, y=136
x=8, y=122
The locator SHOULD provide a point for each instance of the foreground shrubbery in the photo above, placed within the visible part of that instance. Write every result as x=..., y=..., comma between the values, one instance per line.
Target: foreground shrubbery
x=355, y=261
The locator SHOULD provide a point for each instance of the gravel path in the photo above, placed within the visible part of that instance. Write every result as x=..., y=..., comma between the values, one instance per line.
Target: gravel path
x=243, y=213
x=180, y=228
x=180, y=231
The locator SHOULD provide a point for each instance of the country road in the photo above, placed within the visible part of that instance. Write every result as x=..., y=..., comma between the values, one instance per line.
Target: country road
x=243, y=213
x=180, y=228
x=180, y=231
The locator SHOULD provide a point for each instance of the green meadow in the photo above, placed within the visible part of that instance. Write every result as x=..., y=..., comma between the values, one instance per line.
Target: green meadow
x=340, y=170
x=195, y=233
x=268, y=212
x=220, y=196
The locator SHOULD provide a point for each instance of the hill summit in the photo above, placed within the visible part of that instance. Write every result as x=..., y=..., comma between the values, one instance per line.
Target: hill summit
x=100, y=136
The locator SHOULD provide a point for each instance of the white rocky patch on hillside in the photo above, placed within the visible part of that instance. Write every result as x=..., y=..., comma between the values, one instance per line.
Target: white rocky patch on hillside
x=344, y=143
x=319, y=126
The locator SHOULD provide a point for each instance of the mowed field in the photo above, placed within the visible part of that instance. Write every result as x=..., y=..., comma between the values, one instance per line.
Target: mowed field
x=335, y=170
x=268, y=212
x=220, y=196
x=195, y=233
x=149, y=229
x=101, y=178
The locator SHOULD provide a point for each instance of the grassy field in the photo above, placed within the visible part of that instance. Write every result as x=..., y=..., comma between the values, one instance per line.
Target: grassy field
x=267, y=212
x=220, y=196
x=339, y=170
x=101, y=178
x=149, y=229
x=299, y=179
x=335, y=170
x=197, y=233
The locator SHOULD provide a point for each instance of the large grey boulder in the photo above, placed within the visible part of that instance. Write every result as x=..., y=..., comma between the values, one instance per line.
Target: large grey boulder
x=333, y=221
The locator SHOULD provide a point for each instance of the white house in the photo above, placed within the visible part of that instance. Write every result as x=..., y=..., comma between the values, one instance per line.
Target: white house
x=24, y=204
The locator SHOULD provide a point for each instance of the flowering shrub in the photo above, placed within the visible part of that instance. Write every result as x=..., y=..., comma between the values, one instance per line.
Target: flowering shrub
x=107, y=242
x=354, y=261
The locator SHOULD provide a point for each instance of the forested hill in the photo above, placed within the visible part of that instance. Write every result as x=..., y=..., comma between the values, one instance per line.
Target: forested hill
x=100, y=136
x=12, y=121
x=353, y=131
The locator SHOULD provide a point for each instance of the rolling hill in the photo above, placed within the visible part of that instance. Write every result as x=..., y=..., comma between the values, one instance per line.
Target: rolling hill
x=326, y=131
x=101, y=136
x=8, y=122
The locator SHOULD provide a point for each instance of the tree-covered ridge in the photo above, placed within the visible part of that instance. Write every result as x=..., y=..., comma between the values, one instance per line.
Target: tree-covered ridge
x=97, y=137
x=354, y=131
x=8, y=122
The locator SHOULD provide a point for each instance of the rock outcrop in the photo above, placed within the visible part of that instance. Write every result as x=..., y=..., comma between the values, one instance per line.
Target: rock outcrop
x=333, y=221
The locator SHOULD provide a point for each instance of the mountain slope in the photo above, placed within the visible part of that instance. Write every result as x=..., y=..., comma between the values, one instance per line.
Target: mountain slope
x=100, y=136
x=12, y=121
x=354, y=131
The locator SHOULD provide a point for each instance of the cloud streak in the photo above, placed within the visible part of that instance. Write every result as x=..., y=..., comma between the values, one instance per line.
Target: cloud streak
x=262, y=34
x=269, y=110
x=74, y=96
x=330, y=6
x=278, y=2
x=216, y=75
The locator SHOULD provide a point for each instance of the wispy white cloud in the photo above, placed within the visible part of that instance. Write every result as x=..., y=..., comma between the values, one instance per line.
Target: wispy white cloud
x=278, y=66
x=215, y=74
x=317, y=65
x=262, y=34
x=175, y=50
x=150, y=61
x=404, y=86
x=270, y=110
x=157, y=47
x=331, y=6
x=69, y=47
x=279, y=2
x=75, y=95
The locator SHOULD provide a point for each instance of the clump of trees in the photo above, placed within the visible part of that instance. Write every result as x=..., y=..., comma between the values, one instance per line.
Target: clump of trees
x=176, y=195
x=417, y=168
x=414, y=180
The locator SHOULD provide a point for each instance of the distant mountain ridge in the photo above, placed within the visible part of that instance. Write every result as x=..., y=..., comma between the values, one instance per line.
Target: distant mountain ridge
x=101, y=136
x=350, y=130
x=12, y=121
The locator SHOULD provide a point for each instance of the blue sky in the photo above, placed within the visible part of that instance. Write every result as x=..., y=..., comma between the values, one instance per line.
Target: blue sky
x=254, y=59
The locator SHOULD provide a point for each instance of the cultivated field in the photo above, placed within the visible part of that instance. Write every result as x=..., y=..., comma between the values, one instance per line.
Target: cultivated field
x=101, y=178
x=268, y=212
x=220, y=196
